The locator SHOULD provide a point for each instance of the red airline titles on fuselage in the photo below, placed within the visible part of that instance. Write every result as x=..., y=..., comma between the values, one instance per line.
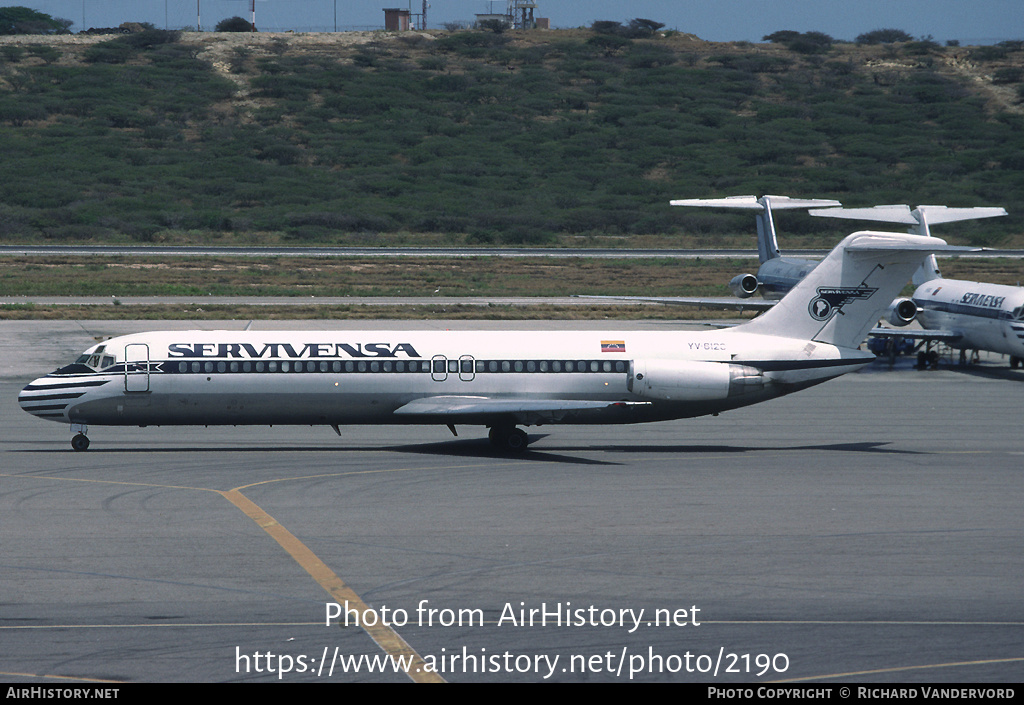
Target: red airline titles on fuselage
x=278, y=350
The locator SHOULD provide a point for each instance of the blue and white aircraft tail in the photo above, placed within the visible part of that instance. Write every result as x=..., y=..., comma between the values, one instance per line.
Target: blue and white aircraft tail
x=499, y=380
x=775, y=273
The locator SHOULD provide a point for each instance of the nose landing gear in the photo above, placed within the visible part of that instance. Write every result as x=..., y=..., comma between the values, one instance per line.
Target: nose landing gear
x=81, y=441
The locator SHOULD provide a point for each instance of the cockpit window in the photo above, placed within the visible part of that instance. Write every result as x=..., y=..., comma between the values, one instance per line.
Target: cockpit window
x=96, y=361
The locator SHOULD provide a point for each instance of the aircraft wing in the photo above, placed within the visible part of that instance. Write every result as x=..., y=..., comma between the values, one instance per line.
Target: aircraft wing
x=716, y=303
x=916, y=334
x=524, y=410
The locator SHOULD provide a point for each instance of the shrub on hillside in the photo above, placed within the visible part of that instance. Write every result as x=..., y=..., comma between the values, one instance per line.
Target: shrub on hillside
x=23, y=20
x=802, y=42
x=234, y=24
x=884, y=36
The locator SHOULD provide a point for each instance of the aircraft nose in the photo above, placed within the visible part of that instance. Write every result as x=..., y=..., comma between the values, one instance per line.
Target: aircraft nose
x=47, y=398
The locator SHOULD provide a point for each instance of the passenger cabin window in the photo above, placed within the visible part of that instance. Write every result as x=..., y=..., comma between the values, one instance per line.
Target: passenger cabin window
x=464, y=366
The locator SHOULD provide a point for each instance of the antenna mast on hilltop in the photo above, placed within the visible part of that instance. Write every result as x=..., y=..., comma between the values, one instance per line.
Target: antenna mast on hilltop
x=520, y=14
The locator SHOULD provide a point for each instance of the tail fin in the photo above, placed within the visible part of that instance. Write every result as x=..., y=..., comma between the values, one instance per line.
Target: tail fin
x=767, y=242
x=928, y=270
x=843, y=297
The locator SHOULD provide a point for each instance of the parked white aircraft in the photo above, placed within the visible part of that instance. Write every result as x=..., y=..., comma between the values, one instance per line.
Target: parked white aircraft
x=965, y=315
x=499, y=380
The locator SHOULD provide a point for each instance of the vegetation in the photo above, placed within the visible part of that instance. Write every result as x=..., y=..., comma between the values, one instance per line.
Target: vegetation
x=387, y=276
x=356, y=276
x=884, y=36
x=22, y=20
x=234, y=24
x=802, y=42
x=315, y=277
x=471, y=137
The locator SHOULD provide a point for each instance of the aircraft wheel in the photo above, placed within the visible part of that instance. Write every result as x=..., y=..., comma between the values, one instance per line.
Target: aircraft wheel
x=508, y=438
x=80, y=442
x=497, y=436
x=1015, y=362
x=517, y=440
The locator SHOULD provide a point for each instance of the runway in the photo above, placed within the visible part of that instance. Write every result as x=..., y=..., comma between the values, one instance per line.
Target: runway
x=866, y=530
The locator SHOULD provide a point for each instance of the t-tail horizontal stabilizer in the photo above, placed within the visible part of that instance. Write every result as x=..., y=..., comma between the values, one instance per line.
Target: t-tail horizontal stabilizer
x=919, y=219
x=767, y=242
x=840, y=300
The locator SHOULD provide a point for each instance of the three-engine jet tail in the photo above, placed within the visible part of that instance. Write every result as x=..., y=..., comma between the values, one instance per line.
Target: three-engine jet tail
x=767, y=241
x=843, y=297
x=918, y=219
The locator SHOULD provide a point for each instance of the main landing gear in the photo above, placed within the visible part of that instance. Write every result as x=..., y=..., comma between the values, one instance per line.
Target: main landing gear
x=508, y=438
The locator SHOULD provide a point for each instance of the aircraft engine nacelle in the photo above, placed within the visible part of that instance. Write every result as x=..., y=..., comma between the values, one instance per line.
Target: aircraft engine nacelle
x=692, y=380
x=743, y=286
x=901, y=312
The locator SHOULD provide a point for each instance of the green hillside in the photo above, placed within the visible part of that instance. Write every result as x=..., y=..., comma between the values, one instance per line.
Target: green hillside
x=564, y=137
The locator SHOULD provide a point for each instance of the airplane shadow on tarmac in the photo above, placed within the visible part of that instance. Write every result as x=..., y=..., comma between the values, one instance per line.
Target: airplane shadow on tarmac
x=482, y=448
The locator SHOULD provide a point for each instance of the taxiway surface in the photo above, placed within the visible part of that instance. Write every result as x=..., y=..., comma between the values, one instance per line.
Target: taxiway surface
x=865, y=530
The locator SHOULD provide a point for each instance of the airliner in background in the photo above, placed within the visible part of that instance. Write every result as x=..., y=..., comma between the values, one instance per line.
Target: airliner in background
x=498, y=380
x=966, y=315
x=776, y=274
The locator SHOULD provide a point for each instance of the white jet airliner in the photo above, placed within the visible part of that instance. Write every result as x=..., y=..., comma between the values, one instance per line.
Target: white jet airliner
x=499, y=380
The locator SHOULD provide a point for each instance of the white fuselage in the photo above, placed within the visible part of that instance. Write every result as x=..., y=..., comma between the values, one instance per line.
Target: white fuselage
x=337, y=378
x=986, y=316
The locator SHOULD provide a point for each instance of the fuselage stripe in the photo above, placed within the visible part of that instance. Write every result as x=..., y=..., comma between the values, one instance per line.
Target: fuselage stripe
x=48, y=397
x=962, y=309
x=69, y=385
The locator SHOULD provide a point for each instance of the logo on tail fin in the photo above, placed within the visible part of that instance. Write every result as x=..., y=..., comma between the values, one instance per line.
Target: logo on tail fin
x=831, y=299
